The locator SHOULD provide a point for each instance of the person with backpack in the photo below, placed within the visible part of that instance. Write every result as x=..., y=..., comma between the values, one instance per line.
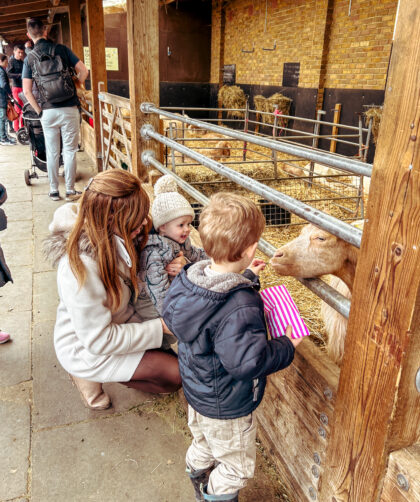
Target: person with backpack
x=52, y=67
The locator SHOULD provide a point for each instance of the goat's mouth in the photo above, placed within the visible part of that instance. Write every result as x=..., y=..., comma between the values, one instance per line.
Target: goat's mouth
x=281, y=267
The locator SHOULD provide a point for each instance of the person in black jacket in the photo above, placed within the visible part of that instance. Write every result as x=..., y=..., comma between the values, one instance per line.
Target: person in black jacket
x=224, y=353
x=14, y=71
x=5, y=275
x=5, y=95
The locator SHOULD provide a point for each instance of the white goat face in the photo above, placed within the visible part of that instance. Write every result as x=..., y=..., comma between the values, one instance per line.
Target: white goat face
x=313, y=253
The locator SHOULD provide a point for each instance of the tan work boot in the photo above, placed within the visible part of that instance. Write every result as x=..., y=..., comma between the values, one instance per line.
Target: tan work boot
x=92, y=394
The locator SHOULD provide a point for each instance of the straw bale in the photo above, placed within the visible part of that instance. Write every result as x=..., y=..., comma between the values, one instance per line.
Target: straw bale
x=283, y=103
x=232, y=96
x=268, y=105
x=259, y=103
x=374, y=113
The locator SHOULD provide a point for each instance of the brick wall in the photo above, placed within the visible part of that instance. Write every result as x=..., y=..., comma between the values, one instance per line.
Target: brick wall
x=336, y=50
x=360, y=44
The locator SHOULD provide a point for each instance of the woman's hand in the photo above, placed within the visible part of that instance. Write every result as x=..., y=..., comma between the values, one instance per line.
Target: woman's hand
x=295, y=341
x=257, y=266
x=165, y=328
x=176, y=265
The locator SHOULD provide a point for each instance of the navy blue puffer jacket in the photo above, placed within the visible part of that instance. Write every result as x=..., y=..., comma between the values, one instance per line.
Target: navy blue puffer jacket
x=224, y=354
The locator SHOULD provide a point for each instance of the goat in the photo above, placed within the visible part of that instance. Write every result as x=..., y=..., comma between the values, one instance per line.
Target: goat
x=313, y=253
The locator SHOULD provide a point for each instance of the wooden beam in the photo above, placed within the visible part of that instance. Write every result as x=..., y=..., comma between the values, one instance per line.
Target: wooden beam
x=13, y=3
x=76, y=28
x=12, y=31
x=96, y=36
x=16, y=24
x=378, y=406
x=26, y=9
x=143, y=65
x=18, y=17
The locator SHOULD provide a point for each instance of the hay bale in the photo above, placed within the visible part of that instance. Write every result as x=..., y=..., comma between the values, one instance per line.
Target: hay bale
x=374, y=113
x=283, y=103
x=259, y=103
x=232, y=96
x=268, y=105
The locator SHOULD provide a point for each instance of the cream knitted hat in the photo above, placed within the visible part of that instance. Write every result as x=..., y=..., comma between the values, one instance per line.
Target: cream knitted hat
x=168, y=204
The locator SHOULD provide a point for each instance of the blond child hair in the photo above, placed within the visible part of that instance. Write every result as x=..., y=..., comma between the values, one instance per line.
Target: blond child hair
x=229, y=224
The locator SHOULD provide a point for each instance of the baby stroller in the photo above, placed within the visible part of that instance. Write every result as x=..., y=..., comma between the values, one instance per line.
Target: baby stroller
x=35, y=136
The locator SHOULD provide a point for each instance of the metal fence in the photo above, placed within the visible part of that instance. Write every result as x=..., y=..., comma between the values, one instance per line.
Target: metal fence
x=178, y=144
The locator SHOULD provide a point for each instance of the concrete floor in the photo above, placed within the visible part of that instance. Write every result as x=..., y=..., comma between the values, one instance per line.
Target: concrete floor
x=51, y=447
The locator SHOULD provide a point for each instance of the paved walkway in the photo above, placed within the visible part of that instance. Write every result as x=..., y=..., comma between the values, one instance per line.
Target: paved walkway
x=51, y=447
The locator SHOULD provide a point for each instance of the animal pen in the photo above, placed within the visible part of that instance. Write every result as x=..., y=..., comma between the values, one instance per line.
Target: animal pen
x=334, y=434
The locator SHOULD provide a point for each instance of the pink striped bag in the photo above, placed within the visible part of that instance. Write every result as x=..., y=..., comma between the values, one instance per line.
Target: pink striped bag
x=280, y=311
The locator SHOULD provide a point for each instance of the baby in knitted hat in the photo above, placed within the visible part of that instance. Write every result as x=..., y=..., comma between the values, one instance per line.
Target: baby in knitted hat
x=172, y=215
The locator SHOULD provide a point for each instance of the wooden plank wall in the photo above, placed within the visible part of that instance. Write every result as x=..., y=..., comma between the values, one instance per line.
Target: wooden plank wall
x=378, y=407
x=294, y=419
x=402, y=480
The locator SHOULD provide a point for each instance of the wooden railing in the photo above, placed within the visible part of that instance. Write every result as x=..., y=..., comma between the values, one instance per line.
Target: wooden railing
x=115, y=131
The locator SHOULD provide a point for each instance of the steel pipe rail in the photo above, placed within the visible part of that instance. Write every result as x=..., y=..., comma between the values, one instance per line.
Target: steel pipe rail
x=353, y=166
x=301, y=119
x=329, y=223
x=323, y=290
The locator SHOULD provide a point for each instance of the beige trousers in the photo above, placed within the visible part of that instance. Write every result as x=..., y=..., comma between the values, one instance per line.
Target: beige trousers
x=229, y=442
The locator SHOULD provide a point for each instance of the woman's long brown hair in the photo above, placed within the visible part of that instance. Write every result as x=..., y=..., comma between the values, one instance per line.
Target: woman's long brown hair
x=113, y=203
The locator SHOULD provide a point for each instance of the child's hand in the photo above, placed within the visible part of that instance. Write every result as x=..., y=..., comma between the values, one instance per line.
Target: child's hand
x=165, y=328
x=295, y=341
x=176, y=265
x=257, y=266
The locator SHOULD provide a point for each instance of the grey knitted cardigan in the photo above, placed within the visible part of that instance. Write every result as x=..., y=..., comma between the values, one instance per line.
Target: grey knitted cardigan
x=157, y=254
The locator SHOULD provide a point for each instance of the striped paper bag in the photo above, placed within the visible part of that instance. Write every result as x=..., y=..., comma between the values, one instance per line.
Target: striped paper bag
x=280, y=311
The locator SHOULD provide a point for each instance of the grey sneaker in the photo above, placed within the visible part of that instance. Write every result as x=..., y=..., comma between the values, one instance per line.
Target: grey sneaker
x=73, y=195
x=7, y=142
x=54, y=196
x=12, y=140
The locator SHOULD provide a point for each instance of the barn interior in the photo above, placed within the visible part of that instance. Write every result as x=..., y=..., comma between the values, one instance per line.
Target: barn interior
x=285, y=101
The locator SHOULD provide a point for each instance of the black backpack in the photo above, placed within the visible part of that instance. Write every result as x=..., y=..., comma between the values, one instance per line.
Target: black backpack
x=52, y=76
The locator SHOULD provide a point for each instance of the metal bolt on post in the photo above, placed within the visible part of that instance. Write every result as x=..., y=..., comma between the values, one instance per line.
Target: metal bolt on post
x=403, y=482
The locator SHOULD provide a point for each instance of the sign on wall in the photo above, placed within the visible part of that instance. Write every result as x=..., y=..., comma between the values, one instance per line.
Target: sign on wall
x=111, y=58
x=291, y=72
x=229, y=74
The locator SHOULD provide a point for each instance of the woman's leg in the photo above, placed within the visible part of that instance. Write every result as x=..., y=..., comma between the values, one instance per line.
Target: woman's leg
x=158, y=372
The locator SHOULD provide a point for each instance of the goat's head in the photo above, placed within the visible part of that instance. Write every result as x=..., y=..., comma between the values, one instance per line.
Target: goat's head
x=313, y=253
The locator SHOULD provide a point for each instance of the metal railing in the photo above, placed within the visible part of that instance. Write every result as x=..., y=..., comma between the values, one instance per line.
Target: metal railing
x=279, y=121
x=332, y=160
x=336, y=227
x=323, y=290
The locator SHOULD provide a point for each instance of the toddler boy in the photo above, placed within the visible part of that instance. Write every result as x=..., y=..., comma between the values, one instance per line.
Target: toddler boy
x=224, y=355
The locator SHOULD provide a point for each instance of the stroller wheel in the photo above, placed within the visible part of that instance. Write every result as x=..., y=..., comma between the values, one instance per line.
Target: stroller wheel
x=22, y=136
x=27, y=177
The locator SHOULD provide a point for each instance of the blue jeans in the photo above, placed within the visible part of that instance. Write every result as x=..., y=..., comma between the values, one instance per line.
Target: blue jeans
x=3, y=124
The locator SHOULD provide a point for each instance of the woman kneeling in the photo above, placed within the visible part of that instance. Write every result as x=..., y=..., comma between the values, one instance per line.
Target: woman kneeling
x=100, y=334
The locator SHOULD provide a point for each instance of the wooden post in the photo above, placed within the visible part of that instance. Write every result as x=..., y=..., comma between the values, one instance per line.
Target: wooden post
x=221, y=56
x=96, y=35
x=337, y=113
x=378, y=407
x=76, y=28
x=143, y=66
